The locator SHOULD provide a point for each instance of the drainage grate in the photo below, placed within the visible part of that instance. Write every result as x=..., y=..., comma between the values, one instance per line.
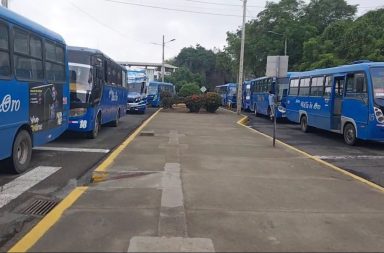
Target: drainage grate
x=40, y=207
x=147, y=133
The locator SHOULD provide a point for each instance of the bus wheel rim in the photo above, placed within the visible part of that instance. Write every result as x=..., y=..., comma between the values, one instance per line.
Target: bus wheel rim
x=22, y=152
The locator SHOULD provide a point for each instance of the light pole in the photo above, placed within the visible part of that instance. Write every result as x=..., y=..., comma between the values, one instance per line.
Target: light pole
x=241, y=65
x=162, y=62
x=285, y=40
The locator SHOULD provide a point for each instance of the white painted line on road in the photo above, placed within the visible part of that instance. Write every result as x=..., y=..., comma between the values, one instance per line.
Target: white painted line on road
x=346, y=157
x=18, y=186
x=85, y=150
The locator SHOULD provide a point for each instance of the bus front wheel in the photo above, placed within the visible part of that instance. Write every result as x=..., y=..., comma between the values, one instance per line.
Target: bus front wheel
x=304, y=124
x=350, y=134
x=21, y=152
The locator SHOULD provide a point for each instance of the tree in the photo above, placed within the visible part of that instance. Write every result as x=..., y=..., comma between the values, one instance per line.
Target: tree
x=189, y=89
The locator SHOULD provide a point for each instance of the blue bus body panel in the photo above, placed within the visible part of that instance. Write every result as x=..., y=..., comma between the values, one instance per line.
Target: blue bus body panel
x=23, y=103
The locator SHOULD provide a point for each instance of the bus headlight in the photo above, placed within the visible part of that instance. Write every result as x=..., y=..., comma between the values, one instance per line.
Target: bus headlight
x=77, y=112
x=281, y=109
x=379, y=115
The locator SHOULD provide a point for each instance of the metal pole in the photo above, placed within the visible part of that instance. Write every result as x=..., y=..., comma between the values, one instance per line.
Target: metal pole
x=285, y=46
x=162, y=63
x=240, y=84
x=274, y=122
x=4, y=3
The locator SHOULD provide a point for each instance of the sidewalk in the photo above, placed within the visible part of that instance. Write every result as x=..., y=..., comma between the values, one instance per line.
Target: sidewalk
x=205, y=183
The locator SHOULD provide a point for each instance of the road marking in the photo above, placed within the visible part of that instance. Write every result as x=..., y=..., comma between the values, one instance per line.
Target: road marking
x=21, y=184
x=107, y=162
x=360, y=179
x=345, y=157
x=47, y=222
x=85, y=150
x=53, y=217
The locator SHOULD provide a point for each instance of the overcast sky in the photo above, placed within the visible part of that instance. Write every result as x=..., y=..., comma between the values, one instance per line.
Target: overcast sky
x=127, y=32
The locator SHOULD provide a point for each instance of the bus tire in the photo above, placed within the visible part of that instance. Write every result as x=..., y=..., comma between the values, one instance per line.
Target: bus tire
x=21, y=152
x=115, y=123
x=349, y=134
x=95, y=132
x=304, y=124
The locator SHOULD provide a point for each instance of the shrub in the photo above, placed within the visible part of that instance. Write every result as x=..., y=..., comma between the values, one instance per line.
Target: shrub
x=189, y=89
x=212, y=101
x=166, y=99
x=193, y=103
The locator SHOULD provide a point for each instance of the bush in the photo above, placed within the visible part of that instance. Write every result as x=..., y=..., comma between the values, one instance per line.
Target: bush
x=166, y=99
x=193, y=103
x=189, y=89
x=212, y=101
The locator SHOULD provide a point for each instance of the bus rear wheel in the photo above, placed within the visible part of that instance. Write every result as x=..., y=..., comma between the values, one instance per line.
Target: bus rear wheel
x=350, y=134
x=115, y=123
x=96, y=128
x=304, y=124
x=21, y=152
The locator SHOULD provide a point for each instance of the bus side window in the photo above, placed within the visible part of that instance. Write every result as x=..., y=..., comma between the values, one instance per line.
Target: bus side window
x=356, y=85
x=328, y=87
x=5, y=64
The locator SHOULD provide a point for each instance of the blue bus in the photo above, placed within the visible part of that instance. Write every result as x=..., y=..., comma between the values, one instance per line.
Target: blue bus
x=228, y=94
x=260, y=88
x=98, y=91
x=347, y=99
x=34, y=94
x=246, y=100
x=137, y=90
x=155, y=89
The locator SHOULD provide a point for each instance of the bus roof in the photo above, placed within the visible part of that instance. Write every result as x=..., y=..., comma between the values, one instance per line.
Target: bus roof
x=339, y=69
x=17, y=19
x=227, y=84
x=156, y=82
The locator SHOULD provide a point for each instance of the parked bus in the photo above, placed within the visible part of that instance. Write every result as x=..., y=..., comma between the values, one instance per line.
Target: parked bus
x=34, y=92
x=246, y=100
x=228, y=94
x=260, y=88
x=98, y=90
x=154, y=92
x=137, y=90
x=346, y=99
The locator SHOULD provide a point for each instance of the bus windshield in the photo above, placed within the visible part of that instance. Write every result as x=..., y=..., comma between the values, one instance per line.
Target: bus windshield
x=134, y=87
x=377, y=75
x=232, y=91
x=152, y=89
x=81, y=82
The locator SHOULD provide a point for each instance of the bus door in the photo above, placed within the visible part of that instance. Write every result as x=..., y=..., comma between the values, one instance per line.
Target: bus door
x=355, y=103
x=98, y=79
x=337, y=98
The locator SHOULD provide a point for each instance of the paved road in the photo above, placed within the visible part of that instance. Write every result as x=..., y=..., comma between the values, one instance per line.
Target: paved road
x=365, y=159
x=67, y=163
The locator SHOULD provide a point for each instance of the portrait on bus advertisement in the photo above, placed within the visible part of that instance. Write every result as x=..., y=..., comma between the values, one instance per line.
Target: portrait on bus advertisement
x=46, y=106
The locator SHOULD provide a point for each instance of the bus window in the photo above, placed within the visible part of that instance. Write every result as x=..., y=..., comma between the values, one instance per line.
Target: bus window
x=328, y=87
x=339, y=87
x=304, y=86
x=54, y=65
x=317, y=84
x=293, y=87
x=5, y=66
x=355, y=85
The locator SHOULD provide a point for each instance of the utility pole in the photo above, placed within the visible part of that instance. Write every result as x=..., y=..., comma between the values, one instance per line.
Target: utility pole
x=4, y=3
x=162, y=63
x=240, y=84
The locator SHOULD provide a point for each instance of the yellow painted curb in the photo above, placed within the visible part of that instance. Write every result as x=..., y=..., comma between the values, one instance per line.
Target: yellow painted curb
x=47, y=222
x=99, y=175
x=107, y=162
x=360, y=179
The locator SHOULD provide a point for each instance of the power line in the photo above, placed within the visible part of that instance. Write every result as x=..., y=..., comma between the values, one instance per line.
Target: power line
x=215, y=3
x=172, y=9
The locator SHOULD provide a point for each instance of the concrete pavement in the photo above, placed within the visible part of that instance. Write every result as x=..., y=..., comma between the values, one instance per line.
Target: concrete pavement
x=202, y=182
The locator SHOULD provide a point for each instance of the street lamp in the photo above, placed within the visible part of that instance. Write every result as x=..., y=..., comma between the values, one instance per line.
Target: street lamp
x=285, y=40
x=162, y=62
